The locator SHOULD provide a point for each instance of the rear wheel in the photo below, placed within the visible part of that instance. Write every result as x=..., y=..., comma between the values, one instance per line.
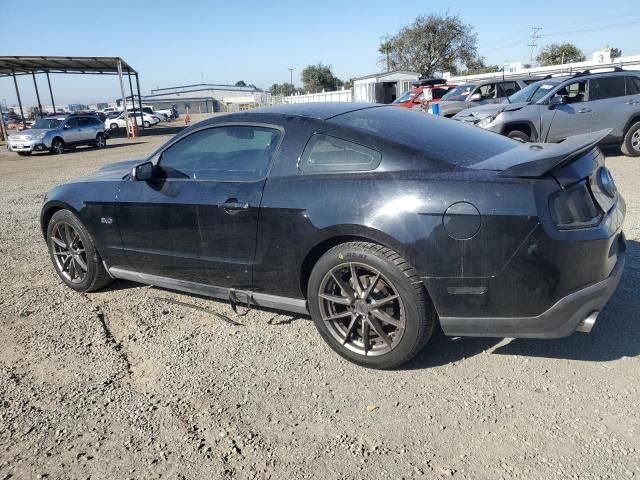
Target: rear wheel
x=113, y=127
x=519, y=135
x=370, y=305
x=73, y=253
x=631, y=142
x=57, y=146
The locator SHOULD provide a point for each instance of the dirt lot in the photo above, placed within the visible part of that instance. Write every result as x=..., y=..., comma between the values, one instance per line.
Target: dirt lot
x=121, y=384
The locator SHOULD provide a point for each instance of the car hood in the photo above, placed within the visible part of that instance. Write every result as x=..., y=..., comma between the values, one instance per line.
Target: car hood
x=482, y=111
x=449, y=106
x=112, y=171
x=32, y=132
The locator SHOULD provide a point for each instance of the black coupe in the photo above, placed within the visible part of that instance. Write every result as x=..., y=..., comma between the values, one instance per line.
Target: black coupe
x=378, y=221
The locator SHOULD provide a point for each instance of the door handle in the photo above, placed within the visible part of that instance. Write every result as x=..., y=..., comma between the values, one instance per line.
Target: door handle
x=584, y=110
x=233, y=205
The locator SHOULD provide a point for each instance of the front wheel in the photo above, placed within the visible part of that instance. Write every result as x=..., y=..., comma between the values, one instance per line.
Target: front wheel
x=146, y=124
x=113, y=127
x=57, y=146
x=631, y=142
x=73, y=253
x=370, y=305
x=519, y=135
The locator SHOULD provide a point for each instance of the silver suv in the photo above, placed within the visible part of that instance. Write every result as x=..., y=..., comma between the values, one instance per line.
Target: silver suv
x=55, y=134
x=556, y=108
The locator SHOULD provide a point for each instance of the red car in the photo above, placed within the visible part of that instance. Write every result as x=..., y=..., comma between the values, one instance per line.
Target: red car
x=429, y=89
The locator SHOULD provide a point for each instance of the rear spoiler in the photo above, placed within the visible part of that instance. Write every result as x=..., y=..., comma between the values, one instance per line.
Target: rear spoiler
x=536, y=159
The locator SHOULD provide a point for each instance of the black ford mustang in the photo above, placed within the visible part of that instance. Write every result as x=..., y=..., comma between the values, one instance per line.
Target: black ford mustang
x=377, y=221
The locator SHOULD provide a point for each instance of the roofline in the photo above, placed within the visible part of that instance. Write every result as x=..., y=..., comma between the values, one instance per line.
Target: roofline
x=27, y=64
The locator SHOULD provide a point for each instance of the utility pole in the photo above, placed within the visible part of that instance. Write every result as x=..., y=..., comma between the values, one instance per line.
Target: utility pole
x=291, y=79
x=535, y=35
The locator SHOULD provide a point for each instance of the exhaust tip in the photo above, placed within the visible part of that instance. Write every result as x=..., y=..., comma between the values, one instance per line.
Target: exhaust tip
x=587, y=324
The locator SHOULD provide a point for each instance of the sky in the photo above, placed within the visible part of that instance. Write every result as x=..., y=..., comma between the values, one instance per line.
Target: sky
x=185, y=42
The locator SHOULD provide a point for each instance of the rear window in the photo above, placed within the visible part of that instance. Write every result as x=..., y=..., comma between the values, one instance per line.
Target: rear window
x=437, y=138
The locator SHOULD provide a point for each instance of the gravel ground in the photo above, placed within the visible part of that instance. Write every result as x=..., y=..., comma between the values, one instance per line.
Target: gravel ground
x=122, y=384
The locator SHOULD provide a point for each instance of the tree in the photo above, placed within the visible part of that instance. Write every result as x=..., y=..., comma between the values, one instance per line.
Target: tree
x=284, y=89
x=433, y=43
x=319, y=77
x=240, y=83
x=385, y=49
x=614, y=52
x=558, y=54
x=477, y=65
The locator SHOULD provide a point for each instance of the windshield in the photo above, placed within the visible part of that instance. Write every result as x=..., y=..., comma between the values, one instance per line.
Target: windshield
x=459, y=94
x=46, y=123
x=531, y=93
x=406, y=97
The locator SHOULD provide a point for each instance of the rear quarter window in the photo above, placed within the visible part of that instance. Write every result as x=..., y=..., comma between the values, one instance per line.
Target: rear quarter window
x=606, y=87
x=328, y=154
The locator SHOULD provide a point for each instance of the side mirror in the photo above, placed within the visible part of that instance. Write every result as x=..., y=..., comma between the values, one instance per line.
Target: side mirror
x=142, y=172
x=556, y=101
x=475, y=97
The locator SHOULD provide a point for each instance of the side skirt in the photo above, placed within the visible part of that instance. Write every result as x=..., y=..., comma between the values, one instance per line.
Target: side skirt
x=258, y=299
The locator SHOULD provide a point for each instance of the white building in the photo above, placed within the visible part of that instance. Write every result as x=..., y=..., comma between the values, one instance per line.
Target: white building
x=383, y=87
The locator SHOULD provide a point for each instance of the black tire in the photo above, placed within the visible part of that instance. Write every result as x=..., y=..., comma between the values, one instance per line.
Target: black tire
x=519, y=135
x=95, y=276
x=395, y=274
x=146, y=124
x=113, y=127
x=101, y=141
x=57, y=146
x=631, y=142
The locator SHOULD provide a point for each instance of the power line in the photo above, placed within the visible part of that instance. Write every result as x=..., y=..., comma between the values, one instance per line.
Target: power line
x=535, y=35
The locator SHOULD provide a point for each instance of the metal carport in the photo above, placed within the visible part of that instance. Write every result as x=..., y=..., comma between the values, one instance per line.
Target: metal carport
x=14, y=66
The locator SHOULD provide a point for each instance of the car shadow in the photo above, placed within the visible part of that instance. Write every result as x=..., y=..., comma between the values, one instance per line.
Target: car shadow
x=615, y=335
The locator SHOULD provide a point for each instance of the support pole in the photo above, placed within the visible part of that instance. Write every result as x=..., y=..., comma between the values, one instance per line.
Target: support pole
x=124, y=100
x=53, y=103
x=133, y=103
x=138, y=90
x=15, y=83
x=35, y=84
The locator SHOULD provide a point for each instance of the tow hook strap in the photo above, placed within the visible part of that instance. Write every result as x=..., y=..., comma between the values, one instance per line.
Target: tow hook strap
x=233, y=300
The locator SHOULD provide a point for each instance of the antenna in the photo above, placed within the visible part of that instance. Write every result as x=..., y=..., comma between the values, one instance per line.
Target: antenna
x=534, y=37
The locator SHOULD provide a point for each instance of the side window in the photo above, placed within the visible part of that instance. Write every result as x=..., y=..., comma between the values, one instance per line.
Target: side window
x=72, y=123
x=85, y=122
x=633, y=85
x=606, y=87
x=232, y=153
x=487, y=91
x=506, y=89
x=574, y=92
x=326, y=154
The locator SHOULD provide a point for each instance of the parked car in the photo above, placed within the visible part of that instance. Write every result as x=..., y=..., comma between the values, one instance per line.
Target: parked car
x=378, y=221
x=481, y=93
x=145, y=120
x=150, y=111
x=169, y=113
x=56, y=134
x=430, y=90
x=556, y=108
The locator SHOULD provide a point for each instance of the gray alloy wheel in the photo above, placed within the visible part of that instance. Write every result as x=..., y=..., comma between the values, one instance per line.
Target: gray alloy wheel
x=69, y=254
x=57, y=146
x=113, y=127
x=361, y=309
x=146, y=124
x=101, y=141
x=519, y=135
x=631, y=142
x=73, y=253
x=370, y=305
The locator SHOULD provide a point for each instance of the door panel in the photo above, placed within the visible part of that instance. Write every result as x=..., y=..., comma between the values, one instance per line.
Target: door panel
x=573, y=117
x=197, y=219
x=611, y=108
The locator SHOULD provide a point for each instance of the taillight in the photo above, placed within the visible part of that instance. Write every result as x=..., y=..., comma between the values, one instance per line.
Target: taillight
x=575, y=207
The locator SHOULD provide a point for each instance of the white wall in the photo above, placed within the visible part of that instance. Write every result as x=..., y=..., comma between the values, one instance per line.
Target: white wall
x=337, y=96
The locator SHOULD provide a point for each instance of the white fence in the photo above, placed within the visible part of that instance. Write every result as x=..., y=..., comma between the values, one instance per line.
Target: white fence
x=337, y=96
x=631, y=62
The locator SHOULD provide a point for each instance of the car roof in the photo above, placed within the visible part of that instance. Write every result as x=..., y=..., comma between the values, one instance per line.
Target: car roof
x=319, y=111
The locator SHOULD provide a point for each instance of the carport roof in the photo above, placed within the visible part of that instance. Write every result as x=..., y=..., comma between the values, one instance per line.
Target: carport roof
x=21, y=65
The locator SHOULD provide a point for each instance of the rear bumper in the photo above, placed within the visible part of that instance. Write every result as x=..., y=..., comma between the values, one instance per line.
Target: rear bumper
x=562, y=319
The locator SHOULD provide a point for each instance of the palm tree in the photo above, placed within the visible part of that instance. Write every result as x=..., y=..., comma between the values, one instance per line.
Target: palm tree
x=385, y=48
